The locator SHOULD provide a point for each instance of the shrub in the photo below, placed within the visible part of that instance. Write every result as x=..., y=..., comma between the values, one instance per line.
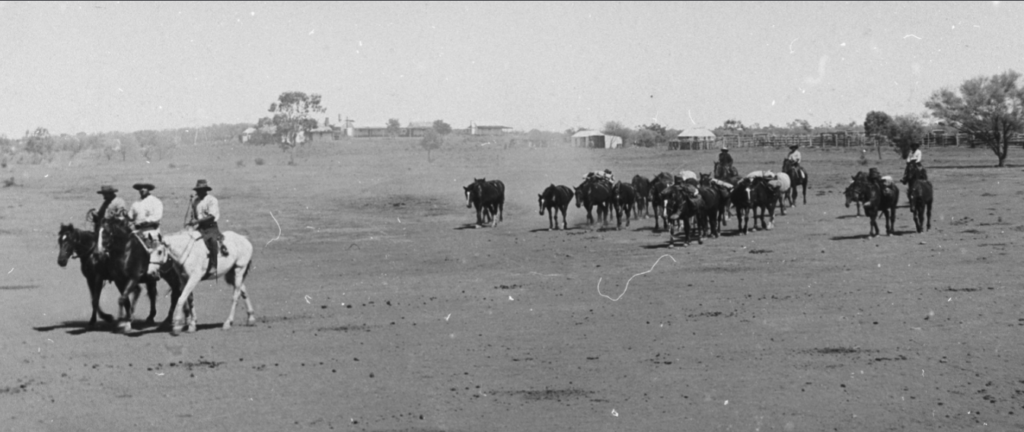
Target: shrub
x=240, y=163
x=9, y=182
x=259, y=161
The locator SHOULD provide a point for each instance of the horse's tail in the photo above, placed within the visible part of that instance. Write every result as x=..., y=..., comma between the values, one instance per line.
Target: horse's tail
x=248, y=267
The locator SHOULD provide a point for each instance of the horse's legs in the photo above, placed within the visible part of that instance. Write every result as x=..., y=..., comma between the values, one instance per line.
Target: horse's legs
x=565, y=223
x=805, y=191
x=128, y=290
x=239, y=285
x=179, y=310
x=151, y=292
x=95, y=288
x=929, y=220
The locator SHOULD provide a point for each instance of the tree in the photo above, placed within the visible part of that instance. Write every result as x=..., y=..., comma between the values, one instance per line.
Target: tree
x=877, y=124
x=293, y=118
x=432, y=140
x=733, y=125
x=650, y=135
x=442, y=128
x=39, y=142
x=991, y=109
x=904, y=131
x=393, y=127
x=798, y=125
x=617, y=129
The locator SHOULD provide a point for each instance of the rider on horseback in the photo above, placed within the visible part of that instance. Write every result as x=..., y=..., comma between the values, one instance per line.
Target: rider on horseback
x=113, y=207
x=204, y=216
x=913, y=159
x=793, y=158
x=146, y=213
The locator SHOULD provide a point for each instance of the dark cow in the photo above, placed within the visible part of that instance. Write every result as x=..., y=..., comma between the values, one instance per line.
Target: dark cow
x=555, y=199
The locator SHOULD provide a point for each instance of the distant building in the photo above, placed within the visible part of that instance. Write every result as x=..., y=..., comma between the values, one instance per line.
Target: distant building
x=595, y=139
x=487, y=129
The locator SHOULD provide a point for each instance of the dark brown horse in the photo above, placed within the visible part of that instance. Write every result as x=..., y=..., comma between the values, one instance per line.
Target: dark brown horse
x=683, y=203
x=877, y=196
x=797, y=177
x=659, y=187
x=919, y=193
x=78, y=243
x=489, y=199
x=623, y=198
x=728, y=174
x=642, y=187
x=751, y=195
x=595, y=193
x=724, y=196
x=555, y=199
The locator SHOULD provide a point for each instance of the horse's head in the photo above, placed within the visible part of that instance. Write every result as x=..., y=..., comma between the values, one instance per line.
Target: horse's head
x=540, y=202
x=158, y=256
x=859, y=191
x=468, y=191
x=580, y=193
x=67, y=240
x=705, y=179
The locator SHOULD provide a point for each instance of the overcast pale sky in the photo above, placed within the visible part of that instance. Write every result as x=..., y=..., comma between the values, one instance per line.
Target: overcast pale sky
x=94, y=67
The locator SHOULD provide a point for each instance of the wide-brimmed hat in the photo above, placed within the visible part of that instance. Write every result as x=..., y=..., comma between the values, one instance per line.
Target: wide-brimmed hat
x=915, y=145
x=141, y=186
x=794, y=146
x=107, y=189
x=725, y=149
x=201, y=185
x=607, y=170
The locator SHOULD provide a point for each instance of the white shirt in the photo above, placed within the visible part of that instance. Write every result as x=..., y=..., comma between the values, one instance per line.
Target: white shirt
x=915, y=156
x=206, y=207
x=794, y=156
x=148, y=209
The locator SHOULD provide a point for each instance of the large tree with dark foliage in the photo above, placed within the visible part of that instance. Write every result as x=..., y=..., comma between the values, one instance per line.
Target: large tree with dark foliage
x=293, y=117
x=991, y=109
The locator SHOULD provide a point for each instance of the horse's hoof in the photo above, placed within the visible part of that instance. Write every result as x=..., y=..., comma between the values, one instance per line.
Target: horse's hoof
x=226, y=326
x=176, y=330
x=192, y=328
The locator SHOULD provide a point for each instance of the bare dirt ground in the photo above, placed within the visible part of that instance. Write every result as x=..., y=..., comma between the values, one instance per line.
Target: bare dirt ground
x=379, y=308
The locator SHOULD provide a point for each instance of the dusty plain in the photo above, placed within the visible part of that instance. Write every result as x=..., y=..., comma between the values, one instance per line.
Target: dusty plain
x=380, y=308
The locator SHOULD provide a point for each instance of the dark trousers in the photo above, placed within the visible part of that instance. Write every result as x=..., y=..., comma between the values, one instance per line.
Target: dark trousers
x=212, y=237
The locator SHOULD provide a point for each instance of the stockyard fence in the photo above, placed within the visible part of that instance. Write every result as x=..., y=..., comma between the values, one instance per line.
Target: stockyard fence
x=826, y=140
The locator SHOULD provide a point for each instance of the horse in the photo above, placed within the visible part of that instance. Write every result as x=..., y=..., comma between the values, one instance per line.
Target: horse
x=682, y=202
x=78, y=243
x=623, y=198
x=919, y=193
x=722, y=200
x=555, y=199
x=728, y=174
x=128, y=263
x=486, y=196
x=659, y=186
x=187, y=250
x=861, y=175
x=876, y=196
x=642, y=187
x=595, y=193
x=750, y=195
x=798, y=177
x=781, y=183
x=723, y=190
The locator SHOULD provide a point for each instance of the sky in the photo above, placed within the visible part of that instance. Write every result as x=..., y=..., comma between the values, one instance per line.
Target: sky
x=103, y=67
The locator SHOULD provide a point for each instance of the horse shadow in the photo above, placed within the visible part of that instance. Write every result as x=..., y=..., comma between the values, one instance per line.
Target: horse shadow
x=468, y=226
x=74, y=327
x=849, y=216
x=155, y=329
x=553, y=230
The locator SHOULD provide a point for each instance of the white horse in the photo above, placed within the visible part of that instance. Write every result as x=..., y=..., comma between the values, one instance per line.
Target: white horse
x=188, y=250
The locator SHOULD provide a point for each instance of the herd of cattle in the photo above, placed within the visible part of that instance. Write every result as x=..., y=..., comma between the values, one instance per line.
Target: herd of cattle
x=698, y=205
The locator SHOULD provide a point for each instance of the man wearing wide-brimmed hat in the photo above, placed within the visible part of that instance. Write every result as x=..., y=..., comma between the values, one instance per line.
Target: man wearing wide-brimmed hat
x=113, y=207
x=205, y=214
x=724, y=158
x=794, y=156
x=146, y=213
